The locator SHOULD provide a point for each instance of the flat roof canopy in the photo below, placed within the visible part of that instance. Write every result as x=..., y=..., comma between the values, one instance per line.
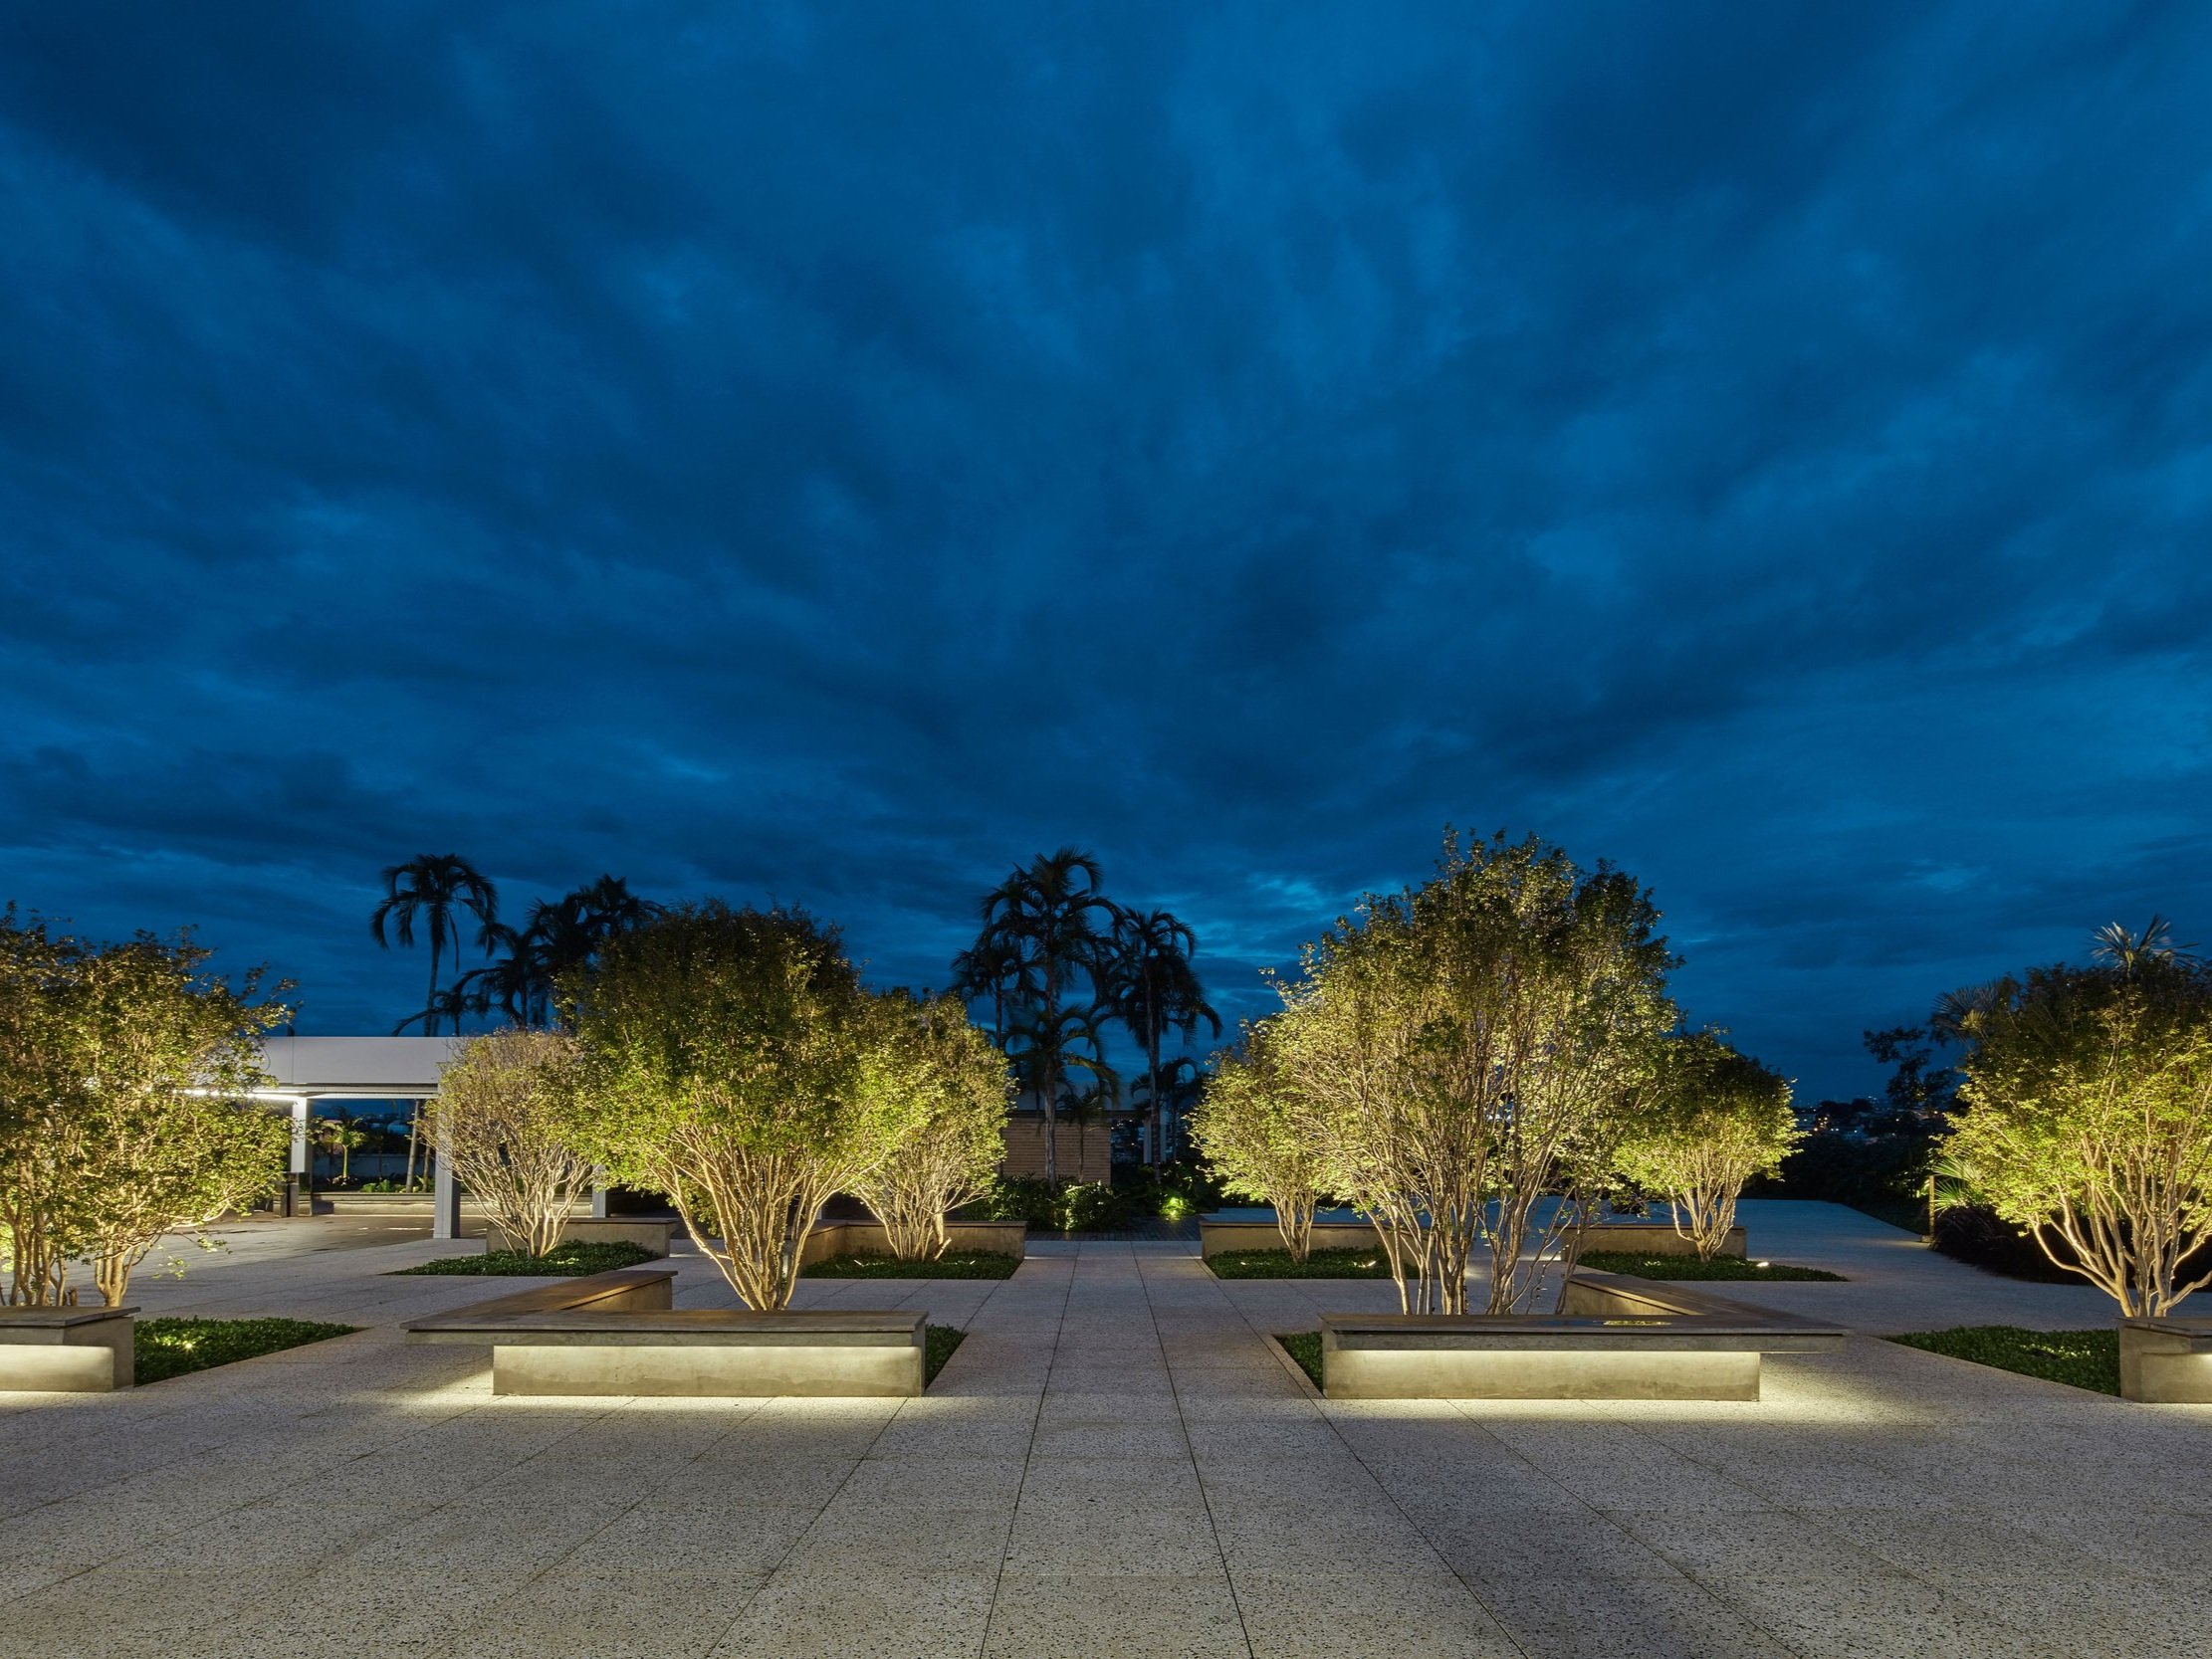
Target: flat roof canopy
x=360, y=1068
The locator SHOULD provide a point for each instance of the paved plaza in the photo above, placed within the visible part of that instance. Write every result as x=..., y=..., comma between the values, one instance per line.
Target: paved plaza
x=1115, y=1462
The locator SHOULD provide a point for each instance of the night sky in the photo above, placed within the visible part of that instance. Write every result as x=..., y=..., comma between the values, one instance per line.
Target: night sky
x=831, y=452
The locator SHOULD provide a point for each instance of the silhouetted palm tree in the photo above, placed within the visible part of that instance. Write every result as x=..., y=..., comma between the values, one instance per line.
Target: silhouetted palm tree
x=1154, y=990
x=561, y=936
x=448, y=1003
x=435, y=888
x=1040, y=936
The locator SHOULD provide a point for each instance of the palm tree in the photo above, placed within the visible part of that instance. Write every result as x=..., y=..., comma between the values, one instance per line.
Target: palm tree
x=449, y=1003
x=1045, y=1050
x=1039, y=936
x=435, y=887
x=1154, y=990
x=561, y=935
x=2128, y=952
x=1168, y=1096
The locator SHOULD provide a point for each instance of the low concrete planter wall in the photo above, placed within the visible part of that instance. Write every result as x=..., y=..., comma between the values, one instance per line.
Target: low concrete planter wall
x=1642, y=1238
x=867, y=1238
x=1654, y=1238
x=1215, y=1237
x=67, y=1351
x=614, y=1334
x=642, y=1231
x=1620, y=1339
x=2166, y=1362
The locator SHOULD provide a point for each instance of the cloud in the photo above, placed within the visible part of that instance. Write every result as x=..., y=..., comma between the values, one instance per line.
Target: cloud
x=835, y=455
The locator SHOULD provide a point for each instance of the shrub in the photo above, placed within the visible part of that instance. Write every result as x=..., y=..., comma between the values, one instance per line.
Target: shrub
x=2082, y=1358
x=503, y=1113
x=569, y=1258
x=1369, y=1263
x=954, y=1264
x=166, y=1347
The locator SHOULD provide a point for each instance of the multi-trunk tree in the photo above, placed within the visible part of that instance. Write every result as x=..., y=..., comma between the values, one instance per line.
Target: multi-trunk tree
x=722, y=1063
x=1473, y=1045
x=1260, y=1136
x=125, y=1072
x=504, y=1112
x=2089, y=1118
x=1714, y=1117
x=928, y=1058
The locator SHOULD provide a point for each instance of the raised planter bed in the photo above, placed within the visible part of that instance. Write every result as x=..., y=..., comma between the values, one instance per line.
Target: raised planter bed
x=616, y=1333
x=1618, y=1339
x=66, y=1350
x=2166, y=1362
x=1217, y=1234
x=646, y=1232
x=867, y=1238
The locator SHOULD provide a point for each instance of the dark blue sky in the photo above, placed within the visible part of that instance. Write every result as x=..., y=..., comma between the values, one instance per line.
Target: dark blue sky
x=831, y=452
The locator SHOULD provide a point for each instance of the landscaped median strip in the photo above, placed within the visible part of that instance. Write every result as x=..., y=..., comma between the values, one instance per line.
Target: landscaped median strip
x=1690, y=1267
x=166, y=1347
x=560, y=1261
x=2082, y=1358
x=954, y=1264
x=1319, y=1264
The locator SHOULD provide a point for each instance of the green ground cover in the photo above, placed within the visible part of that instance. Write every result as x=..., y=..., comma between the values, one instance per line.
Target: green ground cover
x=1305, y=1348
x=1690, y=1267
x=166, y=1347
x=563, y=1261
x=2084, y=1359
x=940, y=1342
x=1369, y=1263
x=954, y=1264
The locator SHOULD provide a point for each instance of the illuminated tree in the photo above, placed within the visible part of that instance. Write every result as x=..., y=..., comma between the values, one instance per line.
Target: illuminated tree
x=2088, y=1121
x=721, y=1063
x=503, y=1113
x=1713, y=1119
x=1256, y=1130
x=1473, y=1046
x=928, y=1058
x=129, y=1074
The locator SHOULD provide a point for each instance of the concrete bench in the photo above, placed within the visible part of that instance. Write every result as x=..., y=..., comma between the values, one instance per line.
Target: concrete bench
x=2166, y=1362
x=616, y=1333
x=1641, y=1238
x=67, y=1351
x=1618, y=1339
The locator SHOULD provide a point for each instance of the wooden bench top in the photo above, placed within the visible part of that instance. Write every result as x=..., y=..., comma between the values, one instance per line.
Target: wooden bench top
x=562, y=1295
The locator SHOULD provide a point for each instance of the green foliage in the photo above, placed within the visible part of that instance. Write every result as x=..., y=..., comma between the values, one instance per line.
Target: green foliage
x=954, y=1264
x=926, y=1058
x=166, y=1347
x=124, y=1076
x=2088, y=1121
x=1690, y=1267
x=1305, y=1348
x=503, y=1113
x=1711, y=1120
x=1319, y=1264
x=723, y=1063
x=939, y=1343
x=1471, y=1045
x=1058, y=1206
x=1257, y=1129
x=569, y=1258
x=2082, y=1358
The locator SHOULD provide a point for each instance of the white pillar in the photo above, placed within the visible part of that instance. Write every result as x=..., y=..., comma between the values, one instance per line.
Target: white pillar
x=599, y=1194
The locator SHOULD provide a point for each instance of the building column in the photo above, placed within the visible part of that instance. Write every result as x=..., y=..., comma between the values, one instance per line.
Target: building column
x=445, y=1194
x=598, y=1193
